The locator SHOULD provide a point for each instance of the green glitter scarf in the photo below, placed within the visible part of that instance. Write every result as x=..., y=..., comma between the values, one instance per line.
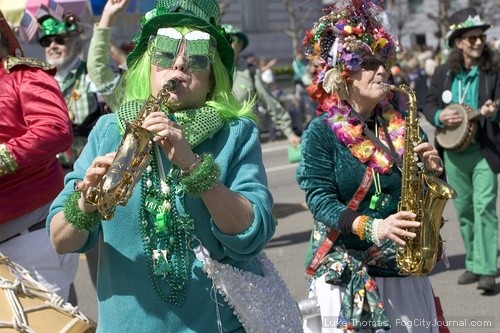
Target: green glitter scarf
x=198, y=124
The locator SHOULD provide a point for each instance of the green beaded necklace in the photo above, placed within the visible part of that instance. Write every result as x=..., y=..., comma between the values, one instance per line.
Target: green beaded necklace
x=165, y=232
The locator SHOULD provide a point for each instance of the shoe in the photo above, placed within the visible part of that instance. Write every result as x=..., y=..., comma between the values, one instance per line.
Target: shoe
x=486, y=283
x=468, y=278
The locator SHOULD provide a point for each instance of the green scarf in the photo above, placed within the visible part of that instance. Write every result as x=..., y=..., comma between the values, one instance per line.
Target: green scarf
x=198, y=124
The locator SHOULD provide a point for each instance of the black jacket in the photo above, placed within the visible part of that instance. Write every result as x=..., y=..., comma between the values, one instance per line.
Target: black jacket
x=488, y=132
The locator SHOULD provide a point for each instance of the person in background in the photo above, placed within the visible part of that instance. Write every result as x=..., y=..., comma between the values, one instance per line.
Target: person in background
x=62, y=43
x=206, y=182
x=350, y=171
x=101, y=73
x=248, y=84
x=34, y=129
x=265, y=66
x=471, y=77
x=303, y=71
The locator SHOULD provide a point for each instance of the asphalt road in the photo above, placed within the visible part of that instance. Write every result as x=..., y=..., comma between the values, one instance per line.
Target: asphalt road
x=465, y=308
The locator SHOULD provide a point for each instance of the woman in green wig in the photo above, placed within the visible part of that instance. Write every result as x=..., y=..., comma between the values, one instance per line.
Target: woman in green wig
x=206, y=183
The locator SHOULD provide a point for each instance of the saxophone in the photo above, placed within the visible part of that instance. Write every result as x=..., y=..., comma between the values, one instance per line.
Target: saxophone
x=422, y=194
x=130, y=161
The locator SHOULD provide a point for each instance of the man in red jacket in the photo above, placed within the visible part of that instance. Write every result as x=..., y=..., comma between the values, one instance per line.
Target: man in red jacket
x=34, y=127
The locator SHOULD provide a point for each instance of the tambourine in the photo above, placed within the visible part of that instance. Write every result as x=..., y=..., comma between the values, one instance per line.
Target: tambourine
x=459, y=137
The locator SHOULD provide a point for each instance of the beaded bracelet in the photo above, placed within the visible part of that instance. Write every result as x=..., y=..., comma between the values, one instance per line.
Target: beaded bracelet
x=80, y=220
x=375, y=232
x=203, y=177
x=361, y=225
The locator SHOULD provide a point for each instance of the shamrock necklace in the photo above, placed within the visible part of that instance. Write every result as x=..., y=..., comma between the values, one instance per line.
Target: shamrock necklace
x=165, y=232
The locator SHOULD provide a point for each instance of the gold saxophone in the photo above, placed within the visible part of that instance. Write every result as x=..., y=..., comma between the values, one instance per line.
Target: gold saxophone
x=422, y=194
x=131, y=159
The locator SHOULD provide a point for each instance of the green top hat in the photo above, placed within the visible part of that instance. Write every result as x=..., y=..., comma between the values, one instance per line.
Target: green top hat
x=199, y=14
x=50, y=26
x=462, y=21
x=232, y=30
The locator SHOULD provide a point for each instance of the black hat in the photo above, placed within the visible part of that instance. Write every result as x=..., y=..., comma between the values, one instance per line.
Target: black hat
x=462, y=21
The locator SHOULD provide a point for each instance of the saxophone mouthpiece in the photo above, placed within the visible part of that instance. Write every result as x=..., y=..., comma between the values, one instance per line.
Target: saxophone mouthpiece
x=387, y=86
x=171, y=84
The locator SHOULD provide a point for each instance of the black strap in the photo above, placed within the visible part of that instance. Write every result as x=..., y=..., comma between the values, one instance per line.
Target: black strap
x=397, y=159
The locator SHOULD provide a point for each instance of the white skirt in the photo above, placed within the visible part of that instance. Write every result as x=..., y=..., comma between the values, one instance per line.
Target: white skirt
x=408, y=302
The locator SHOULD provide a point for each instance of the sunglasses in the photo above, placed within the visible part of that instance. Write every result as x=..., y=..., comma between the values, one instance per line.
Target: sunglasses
x=193, y=62
x=372, y=64
x=473, y=39
x=46, y=41
x=199, y=49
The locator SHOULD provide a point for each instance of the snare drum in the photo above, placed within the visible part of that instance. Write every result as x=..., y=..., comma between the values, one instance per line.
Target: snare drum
x=27, y=306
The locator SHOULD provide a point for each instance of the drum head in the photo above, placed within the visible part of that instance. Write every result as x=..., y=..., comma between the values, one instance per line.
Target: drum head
x=34, y=308
x=459, y=137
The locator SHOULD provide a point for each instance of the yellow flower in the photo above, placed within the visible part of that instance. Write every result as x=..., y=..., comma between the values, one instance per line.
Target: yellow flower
x=363, y=151
x=379, y=44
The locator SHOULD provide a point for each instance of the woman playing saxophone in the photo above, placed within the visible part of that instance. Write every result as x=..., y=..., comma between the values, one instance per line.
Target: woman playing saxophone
x=205, y=183
x=351, y=172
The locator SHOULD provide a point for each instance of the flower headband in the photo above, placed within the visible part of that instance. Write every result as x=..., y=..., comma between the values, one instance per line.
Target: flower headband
x=341, y=39
x=469, y=23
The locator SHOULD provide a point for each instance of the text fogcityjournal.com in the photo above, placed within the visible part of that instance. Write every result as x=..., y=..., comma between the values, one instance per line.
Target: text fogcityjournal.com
x=487, y=322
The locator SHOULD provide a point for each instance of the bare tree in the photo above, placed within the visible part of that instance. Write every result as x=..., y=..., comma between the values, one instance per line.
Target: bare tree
x=296, y=29
x=441, y=19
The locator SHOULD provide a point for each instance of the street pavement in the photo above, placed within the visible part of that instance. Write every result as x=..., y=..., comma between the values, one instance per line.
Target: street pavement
x=465, y=308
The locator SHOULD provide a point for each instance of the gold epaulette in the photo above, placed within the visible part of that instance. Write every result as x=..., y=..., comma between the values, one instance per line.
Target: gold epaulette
x=11, y=62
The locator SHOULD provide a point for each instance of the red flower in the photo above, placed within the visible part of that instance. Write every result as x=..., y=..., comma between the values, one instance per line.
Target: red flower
x=371, y=285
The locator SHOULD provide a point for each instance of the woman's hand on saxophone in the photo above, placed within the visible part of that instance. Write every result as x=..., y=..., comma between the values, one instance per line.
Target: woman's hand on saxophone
x=429, y=155
x=170, y=136
x=394, y=227
x=93, y=176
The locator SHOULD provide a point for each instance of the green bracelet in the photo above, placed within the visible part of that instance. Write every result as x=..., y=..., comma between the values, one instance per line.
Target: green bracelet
x=367, y=230
x=80, y=220
x=203, y=178
x=7, y=163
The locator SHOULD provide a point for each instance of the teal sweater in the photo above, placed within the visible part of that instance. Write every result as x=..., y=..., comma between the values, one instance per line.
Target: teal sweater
x=126, y=299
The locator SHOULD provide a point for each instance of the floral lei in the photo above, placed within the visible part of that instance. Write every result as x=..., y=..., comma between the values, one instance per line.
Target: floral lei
x=349, y=131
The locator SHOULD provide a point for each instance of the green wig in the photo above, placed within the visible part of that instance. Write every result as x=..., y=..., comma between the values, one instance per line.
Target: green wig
x=136, y=85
